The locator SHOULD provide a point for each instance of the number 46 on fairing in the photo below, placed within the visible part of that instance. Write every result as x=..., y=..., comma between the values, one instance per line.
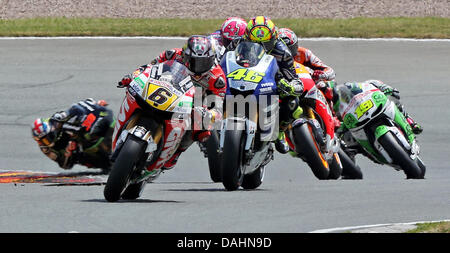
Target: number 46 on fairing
x=246, y=75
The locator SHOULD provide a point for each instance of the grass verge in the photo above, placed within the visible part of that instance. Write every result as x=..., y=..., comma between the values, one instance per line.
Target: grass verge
x=401, y=27
x=432, y=227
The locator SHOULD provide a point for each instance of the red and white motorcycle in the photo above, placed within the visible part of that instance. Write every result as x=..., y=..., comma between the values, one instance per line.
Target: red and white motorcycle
x=153, y=118
x=311, y=136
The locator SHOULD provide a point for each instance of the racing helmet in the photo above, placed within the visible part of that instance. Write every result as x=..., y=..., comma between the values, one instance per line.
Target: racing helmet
x=42, y=131
x=262, y=30
x=290, y=39
x=232, y=28
x=198, y=54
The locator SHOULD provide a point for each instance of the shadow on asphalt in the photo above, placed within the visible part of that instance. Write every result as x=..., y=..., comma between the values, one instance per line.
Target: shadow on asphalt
x=134, y=201
x=212, y=190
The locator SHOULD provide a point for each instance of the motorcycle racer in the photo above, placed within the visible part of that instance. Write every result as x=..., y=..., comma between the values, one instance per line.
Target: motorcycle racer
x=79, y=135
x=304, y=56
x=395, y=96
x=199, y=57
x=262, y=30
x=231, y=29
x=320, y=71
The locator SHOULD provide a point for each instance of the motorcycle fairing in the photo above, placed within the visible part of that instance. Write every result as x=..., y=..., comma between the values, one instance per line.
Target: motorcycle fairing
x=260, y=78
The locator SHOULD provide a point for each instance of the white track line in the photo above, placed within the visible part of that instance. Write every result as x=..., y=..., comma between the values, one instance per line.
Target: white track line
x=184, y=38
x=342, y=229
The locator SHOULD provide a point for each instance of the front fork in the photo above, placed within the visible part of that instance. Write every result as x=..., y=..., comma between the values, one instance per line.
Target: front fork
x=141, y=133
x=151, y=137
x=328, y=146
x=406, y=138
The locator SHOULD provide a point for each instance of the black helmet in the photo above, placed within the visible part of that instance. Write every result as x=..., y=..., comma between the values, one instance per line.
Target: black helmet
x=198, y=54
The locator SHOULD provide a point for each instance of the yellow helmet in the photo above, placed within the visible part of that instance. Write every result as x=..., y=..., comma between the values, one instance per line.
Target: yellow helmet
x=262, y=30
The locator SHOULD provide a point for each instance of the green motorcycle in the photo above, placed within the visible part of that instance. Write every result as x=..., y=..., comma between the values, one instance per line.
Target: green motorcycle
x=377, y=128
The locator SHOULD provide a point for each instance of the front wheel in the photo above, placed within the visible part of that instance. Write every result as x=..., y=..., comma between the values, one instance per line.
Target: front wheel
x=232, y=171
x=401, y=157
x=350, y=170
x=123, y=168
x=253, y=180
x=307, y=147
x=214, y=162
x=134, y=191
x=335, y=167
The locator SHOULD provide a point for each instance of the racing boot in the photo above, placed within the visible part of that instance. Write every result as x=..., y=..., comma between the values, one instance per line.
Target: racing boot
x=416, y=128
x=202, y=138
x=173, y=160
x=281, y=144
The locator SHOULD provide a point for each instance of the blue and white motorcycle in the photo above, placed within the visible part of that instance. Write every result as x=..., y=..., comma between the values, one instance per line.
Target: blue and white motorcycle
x=250, y=116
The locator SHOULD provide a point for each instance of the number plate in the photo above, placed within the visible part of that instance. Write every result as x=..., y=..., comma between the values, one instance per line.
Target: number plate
x=363, y=108
x=159, y=97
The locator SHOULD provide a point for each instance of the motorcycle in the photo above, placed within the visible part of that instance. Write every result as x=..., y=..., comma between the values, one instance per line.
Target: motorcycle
x=153, y=118
x=311, y=135
x=247, y=129
x=378, y=129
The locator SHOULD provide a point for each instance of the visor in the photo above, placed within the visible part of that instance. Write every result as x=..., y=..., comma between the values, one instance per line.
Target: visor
x=200, y=65
x=294, y=49
x=44, y=142
x=47, y=140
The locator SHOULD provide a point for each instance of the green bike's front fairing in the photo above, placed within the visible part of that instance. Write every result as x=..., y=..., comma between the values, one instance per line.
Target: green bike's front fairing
x=359, y=104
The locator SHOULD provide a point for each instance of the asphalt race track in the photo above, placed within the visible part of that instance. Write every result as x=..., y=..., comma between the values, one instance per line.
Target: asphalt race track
x=40, y=77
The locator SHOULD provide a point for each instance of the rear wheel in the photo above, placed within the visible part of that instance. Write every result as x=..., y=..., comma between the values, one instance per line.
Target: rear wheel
x=214, y=162
x=232, y=174
x=123, y=168
x=401, y=157
x=307, y=147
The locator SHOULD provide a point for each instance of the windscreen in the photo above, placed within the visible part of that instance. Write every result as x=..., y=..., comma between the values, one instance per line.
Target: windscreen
x=173, y=72
x=248, y=54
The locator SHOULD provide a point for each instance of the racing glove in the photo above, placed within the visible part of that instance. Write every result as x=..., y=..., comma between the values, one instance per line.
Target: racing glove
x=389, y=91
x=59, y=116
x=326, y=89
x=71, y=147
x=126, y=80
x=318, y=75
x=102, y=102
x=292, y=88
